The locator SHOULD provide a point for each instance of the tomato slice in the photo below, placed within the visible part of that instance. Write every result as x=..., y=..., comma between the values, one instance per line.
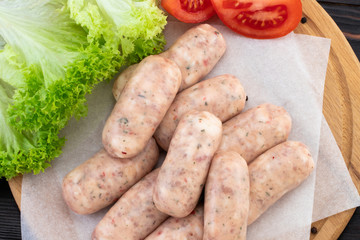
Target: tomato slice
x=259, y=18
x=189, y=11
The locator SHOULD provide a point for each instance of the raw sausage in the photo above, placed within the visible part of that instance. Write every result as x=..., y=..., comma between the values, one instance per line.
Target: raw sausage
x=276, y=172
x=141, y=106
x=226, y=198
x=187, y=228
x=102, y=179
x=256, y=130
x=196, y=52
x=183, y=173
x=122, y=79
x=134, y=216
x=223, y=96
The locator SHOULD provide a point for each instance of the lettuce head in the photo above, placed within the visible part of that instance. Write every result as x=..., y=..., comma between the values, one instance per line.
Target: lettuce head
x=52, y=54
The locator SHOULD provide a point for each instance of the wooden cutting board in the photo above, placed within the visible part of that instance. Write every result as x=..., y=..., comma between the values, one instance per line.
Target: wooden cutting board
x=341, y=96
x=341, y=104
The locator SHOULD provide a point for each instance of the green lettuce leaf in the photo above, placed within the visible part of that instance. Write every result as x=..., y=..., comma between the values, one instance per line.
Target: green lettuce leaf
x=23, y=152
x=136, y=26
x=52, y=55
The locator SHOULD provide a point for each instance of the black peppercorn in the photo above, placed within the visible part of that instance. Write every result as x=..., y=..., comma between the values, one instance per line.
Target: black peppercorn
x=313, y=230
x=303, y=20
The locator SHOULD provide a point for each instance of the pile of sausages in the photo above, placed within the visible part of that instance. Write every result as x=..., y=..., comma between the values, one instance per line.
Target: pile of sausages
x=242, y=160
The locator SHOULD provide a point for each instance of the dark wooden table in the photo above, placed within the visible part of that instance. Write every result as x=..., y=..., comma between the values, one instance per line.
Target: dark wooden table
x=346, y=14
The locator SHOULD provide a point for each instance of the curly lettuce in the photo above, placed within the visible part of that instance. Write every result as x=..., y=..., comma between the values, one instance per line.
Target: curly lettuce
x=53, y=53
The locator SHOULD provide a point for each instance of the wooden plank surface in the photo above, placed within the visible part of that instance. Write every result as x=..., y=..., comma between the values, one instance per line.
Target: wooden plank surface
x=346, y=14
x=9, y=214
x=342, y=94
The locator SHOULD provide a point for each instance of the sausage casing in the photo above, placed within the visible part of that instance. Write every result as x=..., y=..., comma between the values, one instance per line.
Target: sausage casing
x=253, y=132
x=223, y=96
x=102, y=179
x=196, y=52
x=183, y=173
x=141, y=106
x=226, y=198
x=276, y=172
x=190, y=227
x=134, y=216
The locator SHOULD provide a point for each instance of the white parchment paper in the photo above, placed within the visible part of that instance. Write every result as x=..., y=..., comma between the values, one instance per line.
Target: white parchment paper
x=334, y=189
x=289, y=72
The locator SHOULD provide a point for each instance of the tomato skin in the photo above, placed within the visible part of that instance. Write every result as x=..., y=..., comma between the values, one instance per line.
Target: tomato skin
x=175, y=8
x=241, y=15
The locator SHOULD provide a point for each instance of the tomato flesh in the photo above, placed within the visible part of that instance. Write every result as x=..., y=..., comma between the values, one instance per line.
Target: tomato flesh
x=236, y=4
x=193, y=5
x=259, y=18
x=267, y=18
x=189, y=11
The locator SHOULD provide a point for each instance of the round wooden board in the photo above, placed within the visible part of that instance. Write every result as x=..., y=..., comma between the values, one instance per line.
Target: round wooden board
x=341, y=96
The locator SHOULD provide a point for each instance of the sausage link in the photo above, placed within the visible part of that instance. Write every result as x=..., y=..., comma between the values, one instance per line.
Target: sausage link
x=256, y=130
x=141, y=106
x=183, y=173
x=187, y=228
x=134, y=216
x=223, y=96
x=196, y=52
x=226, y=198
x=276, y=172
x=102, y=179
x=122, y=79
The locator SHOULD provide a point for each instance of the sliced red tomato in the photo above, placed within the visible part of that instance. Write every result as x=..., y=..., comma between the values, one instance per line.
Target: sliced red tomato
x=259, y=18
x=189, y=11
